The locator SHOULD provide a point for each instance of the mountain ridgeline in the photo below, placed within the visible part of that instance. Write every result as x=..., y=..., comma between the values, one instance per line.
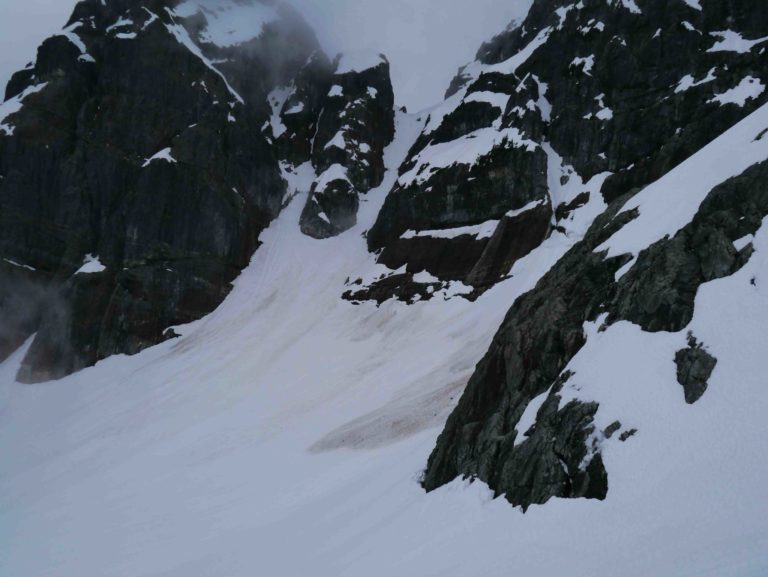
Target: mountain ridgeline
x=151, y=142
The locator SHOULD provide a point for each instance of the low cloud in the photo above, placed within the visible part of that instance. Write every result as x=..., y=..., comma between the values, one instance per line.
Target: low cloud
x=425, y=40
x=24, y=24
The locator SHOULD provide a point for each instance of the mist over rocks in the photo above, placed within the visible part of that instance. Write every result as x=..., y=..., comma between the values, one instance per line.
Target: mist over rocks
x=411, y=32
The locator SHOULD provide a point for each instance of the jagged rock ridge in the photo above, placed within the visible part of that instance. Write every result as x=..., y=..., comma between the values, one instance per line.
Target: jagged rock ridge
x=583, y=90
x=652, y=285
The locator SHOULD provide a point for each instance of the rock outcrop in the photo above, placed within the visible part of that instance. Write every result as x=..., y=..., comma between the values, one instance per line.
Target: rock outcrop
x=626, y=90
x=544, y=330
x=354, y=126
x=644, y=86
x=337, y=117
x=694, y=368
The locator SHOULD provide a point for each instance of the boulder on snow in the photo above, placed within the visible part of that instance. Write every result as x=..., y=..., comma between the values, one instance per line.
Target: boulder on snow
x=694, y=368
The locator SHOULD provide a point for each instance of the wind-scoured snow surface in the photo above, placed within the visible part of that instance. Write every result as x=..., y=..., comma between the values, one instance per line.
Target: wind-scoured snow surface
x=285, y=435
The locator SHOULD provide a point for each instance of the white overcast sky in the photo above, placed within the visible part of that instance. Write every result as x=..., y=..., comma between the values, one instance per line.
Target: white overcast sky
x=425, y=40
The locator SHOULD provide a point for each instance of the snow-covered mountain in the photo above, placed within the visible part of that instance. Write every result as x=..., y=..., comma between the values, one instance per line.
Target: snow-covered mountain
x=297, y=330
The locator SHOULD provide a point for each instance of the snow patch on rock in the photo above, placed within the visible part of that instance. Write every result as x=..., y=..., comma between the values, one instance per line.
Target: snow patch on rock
x=731, y=41
x=13, y=105
x=687, y=82
x=467, y=150
x=748, y=89
x=164, y=154
x=91, y=265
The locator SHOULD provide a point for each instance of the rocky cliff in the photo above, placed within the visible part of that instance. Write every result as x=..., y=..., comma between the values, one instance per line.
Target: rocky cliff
x=648, y=86
x=617, y=91
x=146, y=149
x=134, y=152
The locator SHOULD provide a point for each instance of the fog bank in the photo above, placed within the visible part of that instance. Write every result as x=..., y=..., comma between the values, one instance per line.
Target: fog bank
x=425, y=40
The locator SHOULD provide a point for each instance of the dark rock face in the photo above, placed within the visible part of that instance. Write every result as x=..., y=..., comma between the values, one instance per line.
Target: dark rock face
x=544, y=330
x=339, y=120
x=694, y=368
x=514, y=237
x=509, y=178
x=541, y=333
x=477, y=262
x=647, y=68
x=658, y=293
x=298, y=107
x=354, y=126
x=133, y=147
x=549, y=461
x=608, y=88
x=155, y=142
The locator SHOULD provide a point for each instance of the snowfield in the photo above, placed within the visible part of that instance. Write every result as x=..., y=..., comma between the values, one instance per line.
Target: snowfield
x=285, y=434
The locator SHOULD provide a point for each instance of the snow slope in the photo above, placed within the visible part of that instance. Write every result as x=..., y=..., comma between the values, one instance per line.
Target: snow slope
x=284, y=435
x=661, y=214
